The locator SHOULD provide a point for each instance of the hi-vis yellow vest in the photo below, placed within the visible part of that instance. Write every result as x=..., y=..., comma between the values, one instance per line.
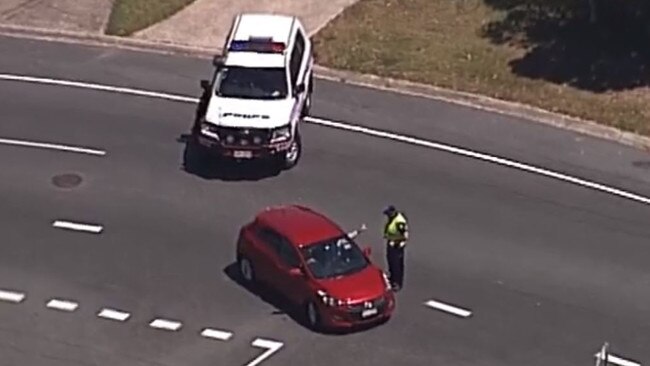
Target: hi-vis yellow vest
x=391, y=232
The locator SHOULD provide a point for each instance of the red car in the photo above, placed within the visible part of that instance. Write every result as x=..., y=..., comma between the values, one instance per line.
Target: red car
x=313, y=263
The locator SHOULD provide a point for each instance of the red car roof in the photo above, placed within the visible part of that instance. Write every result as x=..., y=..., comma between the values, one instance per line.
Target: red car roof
x=299, y=224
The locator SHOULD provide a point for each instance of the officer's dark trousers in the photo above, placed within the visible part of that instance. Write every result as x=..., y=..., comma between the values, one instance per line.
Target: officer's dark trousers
x=395, y=259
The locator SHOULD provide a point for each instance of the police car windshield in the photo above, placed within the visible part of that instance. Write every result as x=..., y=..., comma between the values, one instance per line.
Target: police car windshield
x=251, y=83
x=334, y=257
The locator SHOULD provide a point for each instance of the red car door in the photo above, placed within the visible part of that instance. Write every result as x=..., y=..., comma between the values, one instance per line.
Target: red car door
x=262, y=241
x=289, y=278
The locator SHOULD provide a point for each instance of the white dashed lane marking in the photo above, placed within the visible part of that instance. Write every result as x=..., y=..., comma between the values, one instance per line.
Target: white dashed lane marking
x=95, y=229
x=51, y=146
x=11, y=296
x=359, y=129
x=165, y=324
x=216, y=334
x=112, y=314
x=463, y=313
x=63, y=305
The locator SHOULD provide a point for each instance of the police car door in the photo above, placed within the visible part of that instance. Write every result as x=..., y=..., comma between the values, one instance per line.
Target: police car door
x=298, y=65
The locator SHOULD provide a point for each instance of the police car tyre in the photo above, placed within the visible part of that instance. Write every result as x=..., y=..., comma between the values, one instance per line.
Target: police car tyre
x=307, y=107
x=291, y=156
x=246, y=269
x=312, y=315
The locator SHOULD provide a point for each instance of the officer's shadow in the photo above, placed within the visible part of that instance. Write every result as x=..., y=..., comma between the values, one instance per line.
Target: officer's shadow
x=212, y=167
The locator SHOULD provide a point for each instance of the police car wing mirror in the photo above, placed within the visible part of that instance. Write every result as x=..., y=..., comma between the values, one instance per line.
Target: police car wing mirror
x=300, y=88
x=205, y=84
x=367, y=251
x=218, y=61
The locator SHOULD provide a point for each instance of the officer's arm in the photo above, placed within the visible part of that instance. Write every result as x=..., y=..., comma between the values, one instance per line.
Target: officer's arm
x=403, y=229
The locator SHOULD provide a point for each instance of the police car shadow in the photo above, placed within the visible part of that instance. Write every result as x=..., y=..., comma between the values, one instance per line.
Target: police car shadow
x=202, y=165
x=284, y=307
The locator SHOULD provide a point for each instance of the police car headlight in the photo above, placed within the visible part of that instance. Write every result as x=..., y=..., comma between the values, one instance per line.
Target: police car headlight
x=329, y=300
x=209, y=129
x=281, y=134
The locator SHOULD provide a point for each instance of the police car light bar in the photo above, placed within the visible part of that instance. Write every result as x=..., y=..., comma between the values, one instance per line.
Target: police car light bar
x=257, y=45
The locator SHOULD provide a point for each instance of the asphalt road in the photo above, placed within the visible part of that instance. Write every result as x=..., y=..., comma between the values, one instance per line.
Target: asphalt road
x=550, y=270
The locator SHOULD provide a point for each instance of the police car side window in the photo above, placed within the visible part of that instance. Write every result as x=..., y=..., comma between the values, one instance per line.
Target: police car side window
x=296, y=57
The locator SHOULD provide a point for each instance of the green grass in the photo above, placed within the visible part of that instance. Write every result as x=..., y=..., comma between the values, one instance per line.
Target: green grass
x=130, y=16
x=531, y=51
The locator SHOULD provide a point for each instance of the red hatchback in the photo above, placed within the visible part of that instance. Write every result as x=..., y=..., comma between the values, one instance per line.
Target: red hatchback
x=312, y=262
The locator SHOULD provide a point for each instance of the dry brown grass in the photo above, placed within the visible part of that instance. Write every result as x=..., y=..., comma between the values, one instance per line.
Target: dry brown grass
x=467, y=45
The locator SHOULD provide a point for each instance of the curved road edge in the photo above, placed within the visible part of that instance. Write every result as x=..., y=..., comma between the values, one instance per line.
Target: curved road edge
x=467, y=153
x=464, y=99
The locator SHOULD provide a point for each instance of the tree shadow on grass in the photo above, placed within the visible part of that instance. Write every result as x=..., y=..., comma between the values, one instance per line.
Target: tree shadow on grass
x=563, y=47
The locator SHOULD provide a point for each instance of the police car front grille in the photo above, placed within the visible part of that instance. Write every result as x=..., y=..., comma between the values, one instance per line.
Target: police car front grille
x=244, y=137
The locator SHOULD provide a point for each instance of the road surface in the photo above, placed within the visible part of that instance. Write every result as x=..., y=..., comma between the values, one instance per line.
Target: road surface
x=548, y=269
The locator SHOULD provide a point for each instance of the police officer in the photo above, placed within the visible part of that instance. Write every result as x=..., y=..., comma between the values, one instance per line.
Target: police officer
x=202, y=107
x=396, y=234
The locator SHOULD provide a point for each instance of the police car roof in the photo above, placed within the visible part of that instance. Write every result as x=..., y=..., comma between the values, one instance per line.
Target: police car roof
x=277, y=27
x=254, y=25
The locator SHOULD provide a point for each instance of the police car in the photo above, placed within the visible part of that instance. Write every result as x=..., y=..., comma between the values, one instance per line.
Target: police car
x=260, y=90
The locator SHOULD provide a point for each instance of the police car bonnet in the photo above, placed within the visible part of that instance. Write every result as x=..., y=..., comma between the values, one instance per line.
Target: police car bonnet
x=249, y=113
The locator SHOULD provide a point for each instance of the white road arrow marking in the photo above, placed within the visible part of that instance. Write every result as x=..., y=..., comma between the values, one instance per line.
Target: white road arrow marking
x=271, y=348
x=617, y=360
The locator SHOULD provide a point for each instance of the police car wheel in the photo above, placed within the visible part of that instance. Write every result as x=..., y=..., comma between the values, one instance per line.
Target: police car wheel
x=313, y=317
x=291, y=156
x=307, y=107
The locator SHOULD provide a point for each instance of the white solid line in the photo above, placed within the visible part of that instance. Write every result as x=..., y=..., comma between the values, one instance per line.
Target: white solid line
x=93, y=86
x=448, y=308
x=77, y=227
x=50, y=146
x=483, y=157
x=271, y=348
x=113, y=314
x=62, y=305
x=165, y=324
x=359, y=129
x=216, y=334
x=617, y=360
x=11, y=296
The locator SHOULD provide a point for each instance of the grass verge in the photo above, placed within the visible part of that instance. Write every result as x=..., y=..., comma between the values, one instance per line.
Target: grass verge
x=542, y=53
x=130, y=16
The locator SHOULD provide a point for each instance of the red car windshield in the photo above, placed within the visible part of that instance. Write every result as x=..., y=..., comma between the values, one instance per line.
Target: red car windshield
x=334, y=257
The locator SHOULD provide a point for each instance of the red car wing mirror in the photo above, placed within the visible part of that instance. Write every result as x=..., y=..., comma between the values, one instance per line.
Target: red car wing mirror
x=367, y=251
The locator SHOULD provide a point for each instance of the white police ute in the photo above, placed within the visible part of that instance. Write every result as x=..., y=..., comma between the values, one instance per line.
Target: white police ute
x=260, y=91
